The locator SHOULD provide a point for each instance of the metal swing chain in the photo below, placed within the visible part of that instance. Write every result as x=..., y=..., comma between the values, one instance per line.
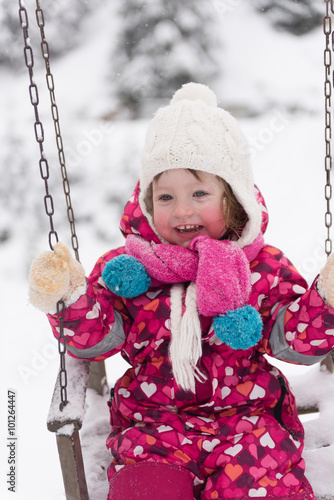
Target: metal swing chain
x=55, y=117
x=38, y=126
x=328, y=120
x=66, y=187
x=44, y=171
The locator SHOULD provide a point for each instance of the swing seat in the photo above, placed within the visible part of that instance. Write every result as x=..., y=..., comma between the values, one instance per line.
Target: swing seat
x=67, y=422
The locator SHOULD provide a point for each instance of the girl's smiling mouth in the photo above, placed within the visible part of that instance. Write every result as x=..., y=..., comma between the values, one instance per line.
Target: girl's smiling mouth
x=188, y=228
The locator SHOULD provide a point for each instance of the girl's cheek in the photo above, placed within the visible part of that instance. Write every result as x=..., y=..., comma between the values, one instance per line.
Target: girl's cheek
x=213, y=213
x=159, y=219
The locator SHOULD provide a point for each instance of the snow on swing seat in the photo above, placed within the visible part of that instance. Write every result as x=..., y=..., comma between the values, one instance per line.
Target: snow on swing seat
x=73, y=413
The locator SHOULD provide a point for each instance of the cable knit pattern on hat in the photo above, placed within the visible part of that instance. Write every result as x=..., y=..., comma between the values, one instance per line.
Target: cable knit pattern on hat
x=193, y=132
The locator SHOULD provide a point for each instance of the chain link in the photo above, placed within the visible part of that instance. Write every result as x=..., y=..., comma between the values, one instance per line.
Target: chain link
x=62, y=352
x=45, y=171
x=55, y=116
x=327, y=26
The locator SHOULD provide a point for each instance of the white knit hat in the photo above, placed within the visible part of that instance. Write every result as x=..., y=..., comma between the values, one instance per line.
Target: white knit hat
x=193, y=132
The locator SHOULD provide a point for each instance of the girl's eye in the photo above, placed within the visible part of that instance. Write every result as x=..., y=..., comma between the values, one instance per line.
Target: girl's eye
x=199, y=194
x=165, y=197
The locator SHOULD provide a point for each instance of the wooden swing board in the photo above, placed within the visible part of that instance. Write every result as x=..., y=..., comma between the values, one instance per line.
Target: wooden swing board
x=72, y=467
x=66, y=424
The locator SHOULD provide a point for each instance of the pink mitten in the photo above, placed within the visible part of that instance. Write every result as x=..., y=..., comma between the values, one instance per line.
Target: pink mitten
x=223, y=276
x=223, y=287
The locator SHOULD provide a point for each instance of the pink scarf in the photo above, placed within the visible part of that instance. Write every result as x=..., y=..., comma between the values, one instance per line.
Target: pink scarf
x=220, y=269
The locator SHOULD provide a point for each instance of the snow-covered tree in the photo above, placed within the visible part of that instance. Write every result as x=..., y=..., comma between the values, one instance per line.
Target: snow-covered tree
x=295, y=16
x=161, y=45
x=62, y=18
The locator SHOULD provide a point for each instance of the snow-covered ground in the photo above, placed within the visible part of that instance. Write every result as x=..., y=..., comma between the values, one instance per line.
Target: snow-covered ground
x=277, y=77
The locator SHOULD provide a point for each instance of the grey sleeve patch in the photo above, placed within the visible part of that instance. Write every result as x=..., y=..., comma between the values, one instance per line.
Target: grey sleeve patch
x=115, y=337
x=281, y=349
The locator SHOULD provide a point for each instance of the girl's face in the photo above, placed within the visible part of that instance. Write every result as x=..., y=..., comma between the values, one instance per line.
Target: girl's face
x=185, y=207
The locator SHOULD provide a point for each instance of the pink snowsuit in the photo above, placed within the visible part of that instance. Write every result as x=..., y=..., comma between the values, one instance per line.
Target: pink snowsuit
x=239, y=435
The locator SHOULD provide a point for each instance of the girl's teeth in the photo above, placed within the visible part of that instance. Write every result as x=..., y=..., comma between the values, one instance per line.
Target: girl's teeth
x=188, y=228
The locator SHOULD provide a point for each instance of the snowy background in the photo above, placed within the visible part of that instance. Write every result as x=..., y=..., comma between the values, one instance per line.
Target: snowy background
x=266, y=67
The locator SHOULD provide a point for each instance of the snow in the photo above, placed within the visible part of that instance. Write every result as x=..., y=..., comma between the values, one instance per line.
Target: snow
x=76, y=385
x=276, y=87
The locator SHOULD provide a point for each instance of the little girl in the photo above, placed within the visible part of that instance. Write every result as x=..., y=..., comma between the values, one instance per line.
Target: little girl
x=193, y=301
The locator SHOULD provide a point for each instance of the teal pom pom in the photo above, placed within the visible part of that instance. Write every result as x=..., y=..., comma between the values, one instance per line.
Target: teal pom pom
x=239, y=329
x=126, y=276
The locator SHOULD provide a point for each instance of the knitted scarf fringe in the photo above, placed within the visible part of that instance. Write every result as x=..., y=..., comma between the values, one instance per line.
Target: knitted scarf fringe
x=186, y=343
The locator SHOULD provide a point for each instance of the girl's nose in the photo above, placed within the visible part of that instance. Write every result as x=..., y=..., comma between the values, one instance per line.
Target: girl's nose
x=183, y=209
